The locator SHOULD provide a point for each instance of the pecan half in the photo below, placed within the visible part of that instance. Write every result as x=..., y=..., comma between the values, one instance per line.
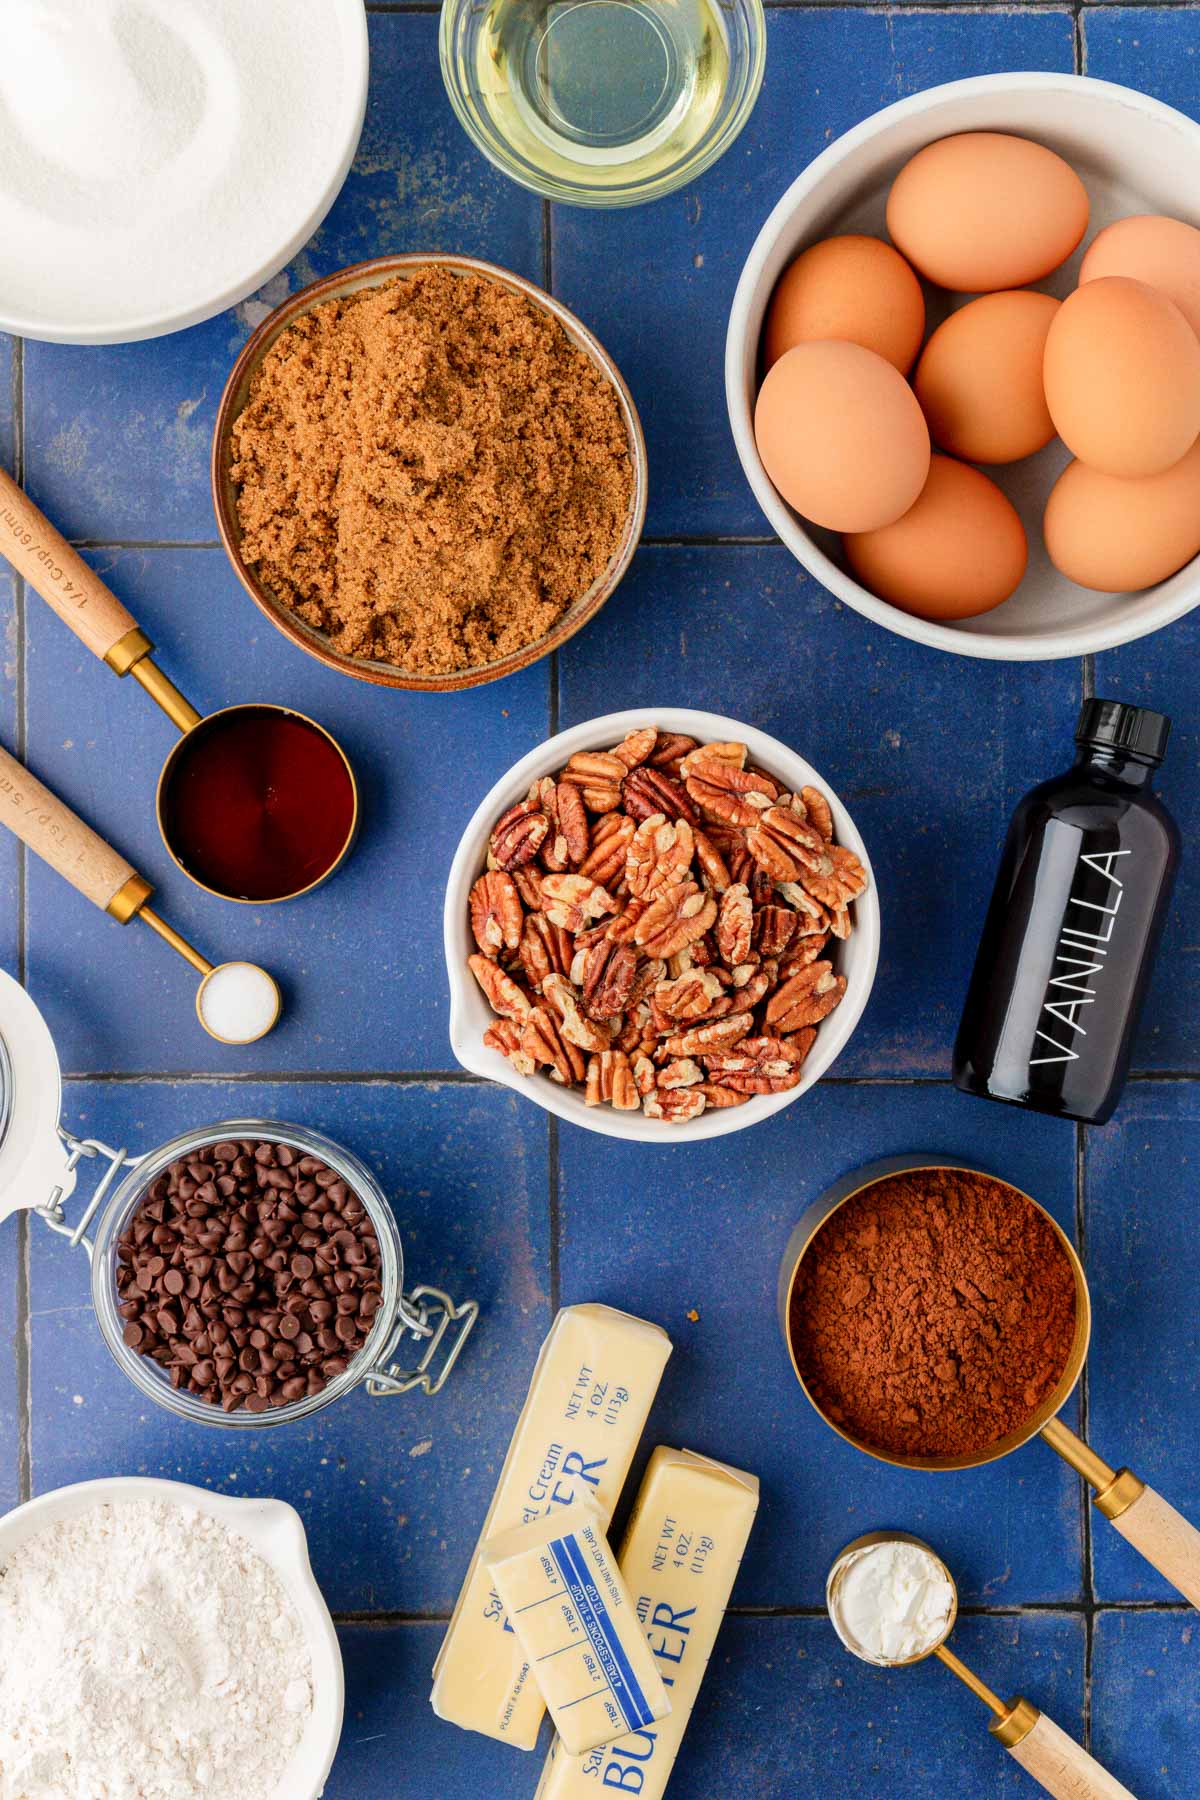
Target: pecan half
x=761, y=981
x=689, y=996
x=784, y=845
x=545, y=950
x=735, y=924
x=611, y=837
x=675, y=920
x=717, y=1097
x=732, y=754
x=705, y=1040
x=819, y=811
x=496, y=913
x=518, y=835
x=726, y=793
x=636, y=746
x=674, y=1105
x=505, y=997
x=838, y=878
x=806, y=950
x=711, y=863
x=528, y=880
x=670, y=750
x=808, y=997
x=610, y=1082
x=598, y=775
x=659, y=854
x=563, y=1000
x=762, y=1065
x=570, y=900
x=681, y=1073
x=774, y=929
x=606, y=977
x=542, y=1040
x=570, y=835
x=650, y=791
x=505, y=1036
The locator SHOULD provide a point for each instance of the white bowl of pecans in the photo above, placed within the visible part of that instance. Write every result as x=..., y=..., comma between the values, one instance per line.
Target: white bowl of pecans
x=660, y=925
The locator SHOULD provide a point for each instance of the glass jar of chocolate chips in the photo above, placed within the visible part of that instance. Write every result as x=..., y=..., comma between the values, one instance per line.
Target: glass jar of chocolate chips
x=251, y=1272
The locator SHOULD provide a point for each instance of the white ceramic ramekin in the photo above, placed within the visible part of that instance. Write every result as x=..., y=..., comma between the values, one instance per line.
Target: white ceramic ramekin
x=276, y=1532
x=1135, y=155
x=470, y=1014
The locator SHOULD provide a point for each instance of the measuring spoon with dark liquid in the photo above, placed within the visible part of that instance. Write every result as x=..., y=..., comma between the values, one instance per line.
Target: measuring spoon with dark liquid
x=257, y=802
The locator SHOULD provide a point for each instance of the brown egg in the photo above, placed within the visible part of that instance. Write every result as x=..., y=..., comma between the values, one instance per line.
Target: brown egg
x=1118, y=536
x=984, y=211
x=1122, y=377
x=979, y=379
x=1164, y=253
x=848, y=287
x=960, y=551
x=841, y=435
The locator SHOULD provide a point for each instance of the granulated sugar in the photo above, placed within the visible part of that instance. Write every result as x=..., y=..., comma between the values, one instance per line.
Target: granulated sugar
x=148, y=1654
x=152, y=151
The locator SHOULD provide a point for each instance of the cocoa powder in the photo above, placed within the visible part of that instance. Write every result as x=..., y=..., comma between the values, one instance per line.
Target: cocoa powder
x=933, y=1313
x=430, y=472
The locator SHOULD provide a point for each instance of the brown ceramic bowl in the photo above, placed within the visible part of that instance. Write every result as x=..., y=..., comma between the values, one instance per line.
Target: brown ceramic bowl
x=233, y=400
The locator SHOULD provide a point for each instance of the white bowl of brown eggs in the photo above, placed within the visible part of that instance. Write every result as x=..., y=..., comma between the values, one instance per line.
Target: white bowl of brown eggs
x=963, y=366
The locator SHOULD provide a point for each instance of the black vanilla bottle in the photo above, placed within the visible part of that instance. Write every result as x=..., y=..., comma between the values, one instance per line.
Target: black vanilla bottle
x=1071, y=931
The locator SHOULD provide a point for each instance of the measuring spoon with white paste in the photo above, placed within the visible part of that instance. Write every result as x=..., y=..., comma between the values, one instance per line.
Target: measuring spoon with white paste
x=893, y=1602
x=237, y=1002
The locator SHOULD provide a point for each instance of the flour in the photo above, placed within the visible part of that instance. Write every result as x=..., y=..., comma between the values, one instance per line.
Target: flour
x=148, y=1654
x=154, y=153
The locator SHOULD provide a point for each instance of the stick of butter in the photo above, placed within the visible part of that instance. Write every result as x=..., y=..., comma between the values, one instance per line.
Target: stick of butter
x=679, y=1560
x=596, y=1376
x=584, y=1643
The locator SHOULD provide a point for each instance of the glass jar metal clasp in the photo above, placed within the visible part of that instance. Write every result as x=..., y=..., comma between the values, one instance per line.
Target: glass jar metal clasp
x=426, y=1314
x=53, y=1212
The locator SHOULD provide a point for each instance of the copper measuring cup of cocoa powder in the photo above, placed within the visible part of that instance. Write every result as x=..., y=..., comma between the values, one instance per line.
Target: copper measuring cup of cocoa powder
x=1054, y=1760
x=105, y=626
x=1144, y=1519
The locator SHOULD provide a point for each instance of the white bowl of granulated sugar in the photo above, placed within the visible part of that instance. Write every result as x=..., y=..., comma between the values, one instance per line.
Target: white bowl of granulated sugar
x=164, y=1640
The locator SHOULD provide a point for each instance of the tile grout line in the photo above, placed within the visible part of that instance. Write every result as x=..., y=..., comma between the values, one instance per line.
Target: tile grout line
x=555, y=1249
x=463, y=1078
x=22, y=1358
x=1033, y=1609
x=1089, y=1584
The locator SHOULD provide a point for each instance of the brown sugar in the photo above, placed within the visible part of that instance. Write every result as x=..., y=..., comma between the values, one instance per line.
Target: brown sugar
x=430, y=472
x=933, y=1313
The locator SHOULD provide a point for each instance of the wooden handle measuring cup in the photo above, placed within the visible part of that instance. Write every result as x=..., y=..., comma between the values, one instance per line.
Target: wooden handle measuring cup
x=1055, y=1760
x=82, y=601
x=102, y=875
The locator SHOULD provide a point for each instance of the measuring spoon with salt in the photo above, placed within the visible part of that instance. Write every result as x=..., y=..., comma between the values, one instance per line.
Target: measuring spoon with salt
x=893, y=1602
x=237, y=1002
x=257, y=802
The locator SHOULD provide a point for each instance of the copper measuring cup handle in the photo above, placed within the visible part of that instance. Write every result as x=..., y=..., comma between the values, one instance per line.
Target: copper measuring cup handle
x=1168, y=1541
x=82, y=601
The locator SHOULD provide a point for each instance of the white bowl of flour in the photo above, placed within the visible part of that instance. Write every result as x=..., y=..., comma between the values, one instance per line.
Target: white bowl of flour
x=164, y=1643
x=161, y=159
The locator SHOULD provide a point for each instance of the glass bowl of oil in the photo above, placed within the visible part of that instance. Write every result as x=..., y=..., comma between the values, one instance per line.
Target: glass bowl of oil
x=603, y=102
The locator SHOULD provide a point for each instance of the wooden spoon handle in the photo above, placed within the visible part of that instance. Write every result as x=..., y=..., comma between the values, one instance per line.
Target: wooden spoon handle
x=1165, y=1538
x=1064, y=1767
x=56, y=834
x=76, y=593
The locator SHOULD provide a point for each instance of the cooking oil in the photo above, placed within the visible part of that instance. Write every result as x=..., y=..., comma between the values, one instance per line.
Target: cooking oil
x=601, y=93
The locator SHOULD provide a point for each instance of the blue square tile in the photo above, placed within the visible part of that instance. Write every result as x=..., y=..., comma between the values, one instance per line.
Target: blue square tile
x=118, y=438
x=713, y=1243
x=786, y=1711
x=360, y=960
x=656, y=282
x=391, y=1490
x=394, y=1747
x=1149, y=48
x=930, y=753
x=1143, y=1401
x=1160, y=672
x=1146, y=1700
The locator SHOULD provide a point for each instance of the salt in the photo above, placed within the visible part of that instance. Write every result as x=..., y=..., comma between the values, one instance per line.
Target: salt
x=155, y=153
x=238, y=1002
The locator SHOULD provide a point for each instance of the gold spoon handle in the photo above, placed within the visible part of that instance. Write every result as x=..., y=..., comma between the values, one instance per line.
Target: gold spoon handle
x=1062, y=1766
x=80, y=855
x=1169, y=1542
x=82, y=601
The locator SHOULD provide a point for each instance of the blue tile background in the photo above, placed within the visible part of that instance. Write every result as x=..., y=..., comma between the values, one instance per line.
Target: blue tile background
x=929, y=752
